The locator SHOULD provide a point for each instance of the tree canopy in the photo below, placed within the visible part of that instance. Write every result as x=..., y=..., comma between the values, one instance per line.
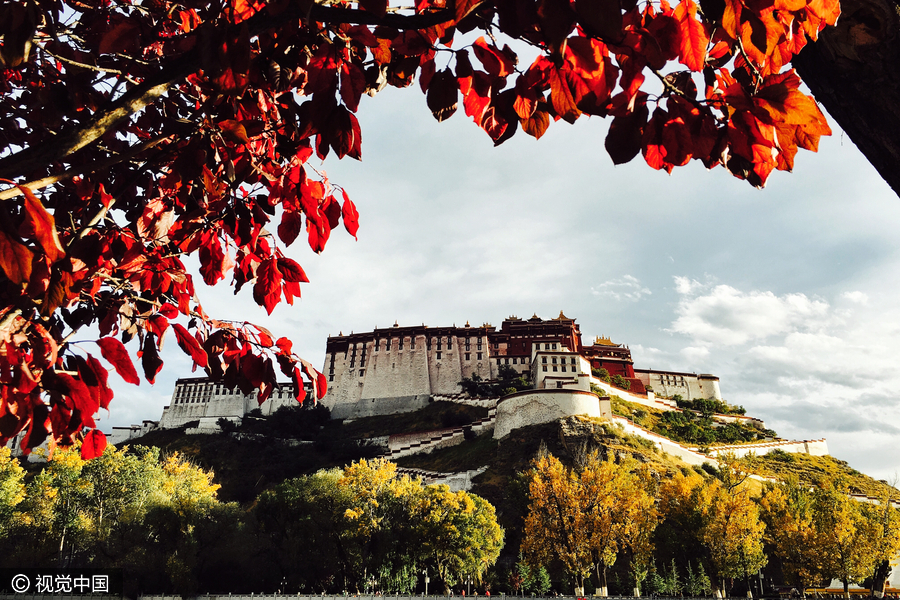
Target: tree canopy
x=135, y=134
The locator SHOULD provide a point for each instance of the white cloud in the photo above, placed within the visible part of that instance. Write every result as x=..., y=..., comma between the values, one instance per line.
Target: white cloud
x=695, y=353
x=728, y=316
x=856, y=297
x=625, y=288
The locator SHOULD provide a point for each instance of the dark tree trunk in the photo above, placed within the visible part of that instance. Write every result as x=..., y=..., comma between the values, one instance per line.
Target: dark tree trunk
x=853, y=70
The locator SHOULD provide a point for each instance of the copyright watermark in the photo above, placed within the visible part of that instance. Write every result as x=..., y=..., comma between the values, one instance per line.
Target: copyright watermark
x=61, y=581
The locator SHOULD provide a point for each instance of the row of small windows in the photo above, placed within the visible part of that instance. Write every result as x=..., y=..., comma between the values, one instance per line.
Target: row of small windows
x=561, y=368
x=190, y=395
x=561, y=360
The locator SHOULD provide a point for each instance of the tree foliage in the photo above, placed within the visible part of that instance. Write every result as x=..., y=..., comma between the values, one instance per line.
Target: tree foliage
x=135, y=135
x=585, y=518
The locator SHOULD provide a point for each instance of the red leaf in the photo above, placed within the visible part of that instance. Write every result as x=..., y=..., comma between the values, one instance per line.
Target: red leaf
x=318, y=231
x=15, y=259
x=351, y=215
x=158, y=325
x=115, y=353
x=84, y=401
x=44, y=226
x=291, y=271
x=495, y=62
x=190, y=345
x=623, y=142
x=168, y=311
x=332, y=211
x=284, y=345
x=693, y=38
x=241, y=10
x=353, y=84
x=267, y=289
x=464, y=7
x=93, y=445
x=536, y=124
x=443, y=95
x=234, y=131
x=290, y=227
x=100, y=372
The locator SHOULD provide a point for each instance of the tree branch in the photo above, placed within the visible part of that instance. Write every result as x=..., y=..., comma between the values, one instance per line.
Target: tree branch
x=177, y=68
x=132, y=101
x=38, y=184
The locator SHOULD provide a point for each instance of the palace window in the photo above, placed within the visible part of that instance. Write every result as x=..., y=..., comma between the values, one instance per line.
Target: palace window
x=478, y=356
x=554, y=346
x=400, y=345
x=439, y=343
x=439, y=356
x=387, y=344
x=362, y=372
x=507, y=361
x=553, y=360
x=377, y=343
x=331, y=377
x=564, y=368
x=573, y=360
x=545, y=368
x=544, y=359
x=467, y=356
x=412, y=343
x=554, y=368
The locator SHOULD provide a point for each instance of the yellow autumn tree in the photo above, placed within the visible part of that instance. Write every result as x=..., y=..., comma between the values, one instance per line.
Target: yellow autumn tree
x=458, y=532
x=884, y=527
x=788, y=510
x=732, y=530
x=585, y=519
x=845, y=535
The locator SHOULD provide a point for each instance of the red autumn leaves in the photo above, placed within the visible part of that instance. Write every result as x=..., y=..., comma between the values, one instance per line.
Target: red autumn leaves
x=598, y=54
x=218, y=166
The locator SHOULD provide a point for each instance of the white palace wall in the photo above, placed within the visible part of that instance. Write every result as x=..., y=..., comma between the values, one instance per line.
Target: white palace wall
x=543, y=406
x=200, y=399
x=689, y=386
x=400, y=373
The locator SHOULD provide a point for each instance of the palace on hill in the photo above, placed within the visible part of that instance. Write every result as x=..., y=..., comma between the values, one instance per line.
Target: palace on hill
x=399, y=369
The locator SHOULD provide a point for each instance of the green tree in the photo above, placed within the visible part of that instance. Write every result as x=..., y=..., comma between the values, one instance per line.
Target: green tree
x=696, y=583
x=459, y=533
x=601, y=374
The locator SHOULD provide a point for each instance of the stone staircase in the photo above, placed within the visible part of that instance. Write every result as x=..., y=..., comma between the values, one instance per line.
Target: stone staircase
x=442, y=438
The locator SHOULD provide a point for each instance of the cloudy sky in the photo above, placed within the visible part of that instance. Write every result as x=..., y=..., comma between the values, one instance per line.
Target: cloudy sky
x=787, y=293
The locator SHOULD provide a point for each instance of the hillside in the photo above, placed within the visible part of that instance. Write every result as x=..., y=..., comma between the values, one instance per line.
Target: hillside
x=267, y=451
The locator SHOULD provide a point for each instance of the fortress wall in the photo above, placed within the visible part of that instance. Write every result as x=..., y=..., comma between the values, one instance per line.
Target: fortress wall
x=687, y=385
x=398, y=371
x=444, y=373
x=370, y=407
x=811, y=447
x=689, y=456
x=648, y=400
x=542, y=406
x=344, y=387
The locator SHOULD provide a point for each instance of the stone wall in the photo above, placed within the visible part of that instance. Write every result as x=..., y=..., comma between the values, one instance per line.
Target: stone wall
x=543, y=406
x=370, y=407
x=689, y=386
x=811, y=447
x=402, y=367
x=206, y=400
